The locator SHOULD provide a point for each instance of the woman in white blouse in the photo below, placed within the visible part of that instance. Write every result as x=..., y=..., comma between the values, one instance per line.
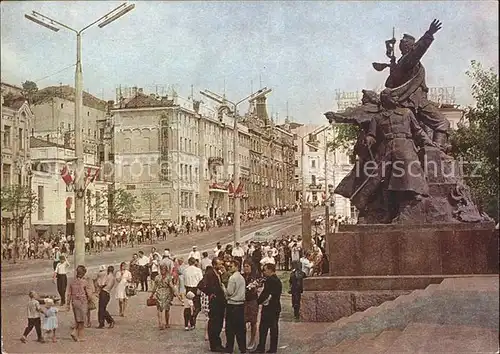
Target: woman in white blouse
x=61, y=278
x=124, y=278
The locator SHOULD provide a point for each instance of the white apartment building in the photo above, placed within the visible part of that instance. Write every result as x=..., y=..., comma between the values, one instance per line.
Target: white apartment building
x=55, y=200
x=320, y=182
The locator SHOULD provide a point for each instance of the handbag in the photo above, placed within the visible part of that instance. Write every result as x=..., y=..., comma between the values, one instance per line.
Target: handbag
x=130, y=290
x=91, y=303
x=151, y=301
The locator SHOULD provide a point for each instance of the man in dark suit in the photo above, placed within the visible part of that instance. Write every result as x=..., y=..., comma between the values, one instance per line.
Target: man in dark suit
x=271, y=309
x=212, y=286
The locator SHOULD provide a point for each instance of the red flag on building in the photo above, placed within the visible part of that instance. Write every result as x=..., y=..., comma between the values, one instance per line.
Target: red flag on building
x=239, y=189
x=95, y=175
x=66, y=176
x=88, y=175
x=230, y=188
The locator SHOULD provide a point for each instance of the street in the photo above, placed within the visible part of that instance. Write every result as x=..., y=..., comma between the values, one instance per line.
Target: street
x=135, y=333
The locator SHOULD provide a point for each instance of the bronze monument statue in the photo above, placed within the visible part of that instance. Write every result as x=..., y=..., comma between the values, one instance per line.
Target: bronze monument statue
x=402, y=173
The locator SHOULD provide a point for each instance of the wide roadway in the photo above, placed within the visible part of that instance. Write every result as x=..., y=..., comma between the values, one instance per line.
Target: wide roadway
x=19, y=279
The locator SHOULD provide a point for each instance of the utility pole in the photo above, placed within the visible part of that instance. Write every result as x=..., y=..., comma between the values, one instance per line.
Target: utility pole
x=236, y=171
x=306, y=211
x=327, y=199
x=79, y=182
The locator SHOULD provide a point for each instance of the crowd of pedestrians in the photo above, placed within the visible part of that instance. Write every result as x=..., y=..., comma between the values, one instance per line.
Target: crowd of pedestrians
x=127, y=235
x=232, y=286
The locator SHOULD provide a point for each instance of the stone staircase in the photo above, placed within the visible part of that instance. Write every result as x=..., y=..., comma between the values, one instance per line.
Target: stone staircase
x=459, y=315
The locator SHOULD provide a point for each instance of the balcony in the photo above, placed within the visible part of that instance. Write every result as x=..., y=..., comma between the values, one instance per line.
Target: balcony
x=218, y=187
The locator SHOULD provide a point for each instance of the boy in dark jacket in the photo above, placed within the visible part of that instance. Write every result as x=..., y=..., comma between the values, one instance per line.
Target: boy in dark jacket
x=296, y=287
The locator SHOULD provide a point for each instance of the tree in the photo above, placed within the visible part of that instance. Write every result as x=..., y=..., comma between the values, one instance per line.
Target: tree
x=20, y=201
x=345, y=136
x=95, y=205
x=121, y=206
x=476, y=140
x=29, y=90
x=151, y=201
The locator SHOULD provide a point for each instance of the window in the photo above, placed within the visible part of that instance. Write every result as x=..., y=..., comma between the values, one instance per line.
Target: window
x=6, y=174
x=69, y=126
x=88, y=114
x=62, y=105
x=296, y=163
x=6, y=136
x=40, y=203
x=313, y=179
x=101, y=133
x=313, y=163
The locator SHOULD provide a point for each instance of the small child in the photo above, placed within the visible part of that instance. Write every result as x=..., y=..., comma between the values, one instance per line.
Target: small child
x=188, y=311
x=50, y=320
x=34, y=311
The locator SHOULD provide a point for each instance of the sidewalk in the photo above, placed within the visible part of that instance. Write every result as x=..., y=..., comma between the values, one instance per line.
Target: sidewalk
x=136, y=333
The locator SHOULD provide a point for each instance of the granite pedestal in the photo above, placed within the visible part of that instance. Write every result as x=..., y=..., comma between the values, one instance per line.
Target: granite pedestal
x=370, y=264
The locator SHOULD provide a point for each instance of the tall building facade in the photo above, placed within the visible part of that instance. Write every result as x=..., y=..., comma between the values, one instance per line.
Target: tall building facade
x=17, y=120
x=272, y=155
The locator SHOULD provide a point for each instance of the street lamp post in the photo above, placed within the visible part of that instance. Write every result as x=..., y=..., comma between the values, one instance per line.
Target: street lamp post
x=236, y=170
x=306, y=212
x=79, y=182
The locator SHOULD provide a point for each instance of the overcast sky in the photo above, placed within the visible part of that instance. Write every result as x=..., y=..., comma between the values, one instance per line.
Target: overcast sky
x=304, y=51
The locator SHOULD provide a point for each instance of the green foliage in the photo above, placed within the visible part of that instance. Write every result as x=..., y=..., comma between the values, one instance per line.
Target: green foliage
x=18, y=200
x=345, y=137
x=476, y=140
x=121, y=206
x=29, y=90
x=152, y=203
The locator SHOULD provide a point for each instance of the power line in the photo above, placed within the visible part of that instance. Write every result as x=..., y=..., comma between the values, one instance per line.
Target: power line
x=46, y=77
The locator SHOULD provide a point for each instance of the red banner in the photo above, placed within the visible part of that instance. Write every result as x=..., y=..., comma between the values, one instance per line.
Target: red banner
x=66, y=176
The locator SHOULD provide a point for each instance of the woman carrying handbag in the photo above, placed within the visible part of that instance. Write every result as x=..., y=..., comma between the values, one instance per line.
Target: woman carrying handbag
x=162, y=295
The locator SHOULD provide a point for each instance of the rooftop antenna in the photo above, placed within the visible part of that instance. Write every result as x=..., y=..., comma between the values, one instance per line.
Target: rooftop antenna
x=192, y=92
x=260, y=79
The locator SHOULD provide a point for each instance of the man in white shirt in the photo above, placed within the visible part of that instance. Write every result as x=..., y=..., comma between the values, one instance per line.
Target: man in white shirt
x=205, y=261
x=238, y=253
x=217, y=249
x=195, y=254
x=192, y=277
x=143, y=263
x=267, y=259
x=235, y=309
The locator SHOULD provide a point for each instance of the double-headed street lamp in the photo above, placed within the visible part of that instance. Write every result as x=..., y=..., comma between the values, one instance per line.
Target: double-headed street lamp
x=236, y=169
x=54, y=25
